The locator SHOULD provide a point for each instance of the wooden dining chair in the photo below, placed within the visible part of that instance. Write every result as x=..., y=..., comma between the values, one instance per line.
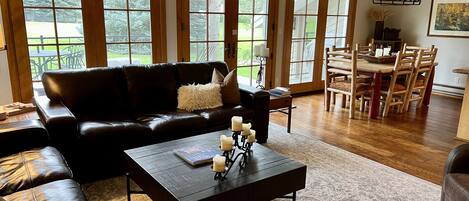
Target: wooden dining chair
x=346, y=49
x=394, y=91
x=364, y=49
x=343, y=64
x=410, y=48
x=424, y=65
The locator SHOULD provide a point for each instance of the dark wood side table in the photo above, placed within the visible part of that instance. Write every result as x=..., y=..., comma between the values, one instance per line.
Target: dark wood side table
x=164, y=176
x=279, y=104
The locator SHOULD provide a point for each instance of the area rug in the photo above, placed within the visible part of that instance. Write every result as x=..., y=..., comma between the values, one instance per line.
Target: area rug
x=332, y=174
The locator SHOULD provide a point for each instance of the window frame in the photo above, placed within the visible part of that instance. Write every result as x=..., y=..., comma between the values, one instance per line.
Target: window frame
x=94, y=40
x=231, y=36
x=317, y=83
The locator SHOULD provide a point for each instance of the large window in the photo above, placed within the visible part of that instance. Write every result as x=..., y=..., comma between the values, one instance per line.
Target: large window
x=45, y=35
x=252, y=31
x=207, y=30
x=128, y=32
x=336, y=27
x=311, y=26
x=55, y=35
x=303, y=42
x=227, y=30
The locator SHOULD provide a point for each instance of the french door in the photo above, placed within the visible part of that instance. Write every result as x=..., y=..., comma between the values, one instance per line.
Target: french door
x=227, y=30
x=310, y=27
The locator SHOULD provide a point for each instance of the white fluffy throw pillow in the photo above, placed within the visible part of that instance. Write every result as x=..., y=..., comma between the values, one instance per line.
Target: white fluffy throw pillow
x=199, y=96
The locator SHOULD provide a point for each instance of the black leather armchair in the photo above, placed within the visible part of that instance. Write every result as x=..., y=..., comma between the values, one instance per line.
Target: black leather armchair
x=29, y=169
x=456, y=175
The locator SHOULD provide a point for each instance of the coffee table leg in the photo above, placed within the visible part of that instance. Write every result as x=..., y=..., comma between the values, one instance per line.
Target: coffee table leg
x=293, y=196
x=127, y=177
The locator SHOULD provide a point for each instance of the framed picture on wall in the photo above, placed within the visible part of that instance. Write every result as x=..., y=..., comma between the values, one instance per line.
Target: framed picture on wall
x=449, y=18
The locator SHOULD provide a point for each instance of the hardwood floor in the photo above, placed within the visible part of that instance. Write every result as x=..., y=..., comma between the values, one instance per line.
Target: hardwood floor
x=416, y=142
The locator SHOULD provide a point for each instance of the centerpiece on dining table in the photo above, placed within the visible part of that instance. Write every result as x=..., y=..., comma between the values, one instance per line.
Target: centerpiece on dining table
x=380, y=56
x=241, y=140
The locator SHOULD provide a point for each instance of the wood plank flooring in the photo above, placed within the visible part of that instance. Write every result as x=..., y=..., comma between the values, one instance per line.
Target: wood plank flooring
x=416, y=142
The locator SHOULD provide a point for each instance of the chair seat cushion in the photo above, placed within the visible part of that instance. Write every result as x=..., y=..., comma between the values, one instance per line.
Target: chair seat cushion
x=124, y=133
x=222, y=116
x=360, y=78
x=346, y=85
x=31, y=168
x=172, y=123
x=54, y=191
x=456, y=187
x=397, y=87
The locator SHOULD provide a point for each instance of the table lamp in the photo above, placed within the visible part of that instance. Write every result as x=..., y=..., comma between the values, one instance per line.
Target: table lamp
x=261, y=53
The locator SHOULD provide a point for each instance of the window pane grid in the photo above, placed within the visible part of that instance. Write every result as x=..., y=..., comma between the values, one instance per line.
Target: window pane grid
x=128, y=32
x=252, y=31
x=54, y=36
x=303, y=41
x=206, y=44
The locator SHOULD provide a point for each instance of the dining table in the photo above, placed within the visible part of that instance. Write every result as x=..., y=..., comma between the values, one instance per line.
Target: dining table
x=377, y=71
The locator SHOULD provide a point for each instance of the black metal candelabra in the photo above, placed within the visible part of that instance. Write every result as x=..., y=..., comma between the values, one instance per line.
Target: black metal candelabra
x=260, y=73
x=231, y=157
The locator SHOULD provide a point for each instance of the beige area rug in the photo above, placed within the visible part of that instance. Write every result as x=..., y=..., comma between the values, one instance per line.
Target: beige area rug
x=333, y=174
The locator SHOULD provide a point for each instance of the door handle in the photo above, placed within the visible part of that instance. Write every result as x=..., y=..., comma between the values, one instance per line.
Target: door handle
x=233, y=51
x=227, y=50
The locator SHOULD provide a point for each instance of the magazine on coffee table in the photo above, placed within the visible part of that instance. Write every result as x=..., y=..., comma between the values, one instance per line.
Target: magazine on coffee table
x=197, y=155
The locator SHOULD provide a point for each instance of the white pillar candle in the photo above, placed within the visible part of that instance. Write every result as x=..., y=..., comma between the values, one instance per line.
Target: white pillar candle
x=237, y=123
x=246, y=129
x=258, y=50
x=226, y=143
x=252, y=137
x=219, y=163
x=265, y=52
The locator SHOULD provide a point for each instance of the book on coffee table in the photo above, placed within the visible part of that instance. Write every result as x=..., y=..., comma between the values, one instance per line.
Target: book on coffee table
x=197, y=155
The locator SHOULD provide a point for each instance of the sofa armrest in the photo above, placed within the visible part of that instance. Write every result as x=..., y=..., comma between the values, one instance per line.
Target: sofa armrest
x=57, y=118
x=22, y=135
x=458, y=160
x=258, y=100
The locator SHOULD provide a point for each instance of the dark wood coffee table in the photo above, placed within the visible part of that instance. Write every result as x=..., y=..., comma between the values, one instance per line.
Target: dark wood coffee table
x=164, y=176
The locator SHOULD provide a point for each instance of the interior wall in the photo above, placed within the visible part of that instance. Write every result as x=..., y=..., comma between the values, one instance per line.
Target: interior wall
x=452, y=52
x=5, y=85
x=363, y=25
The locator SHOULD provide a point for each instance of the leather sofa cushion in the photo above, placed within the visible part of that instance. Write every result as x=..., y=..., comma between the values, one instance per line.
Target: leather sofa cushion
x=222, y=116
x=174, y=123
x=199, y=73
x=456, y=187
x=32, y=168
x=121, y=134
x=54, y=191
x=152, y=88
x=96, y=91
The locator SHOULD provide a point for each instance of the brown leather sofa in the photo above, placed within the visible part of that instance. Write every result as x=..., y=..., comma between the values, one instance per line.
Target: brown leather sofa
x=456, y=175
x=94, y=114
x=31, y=173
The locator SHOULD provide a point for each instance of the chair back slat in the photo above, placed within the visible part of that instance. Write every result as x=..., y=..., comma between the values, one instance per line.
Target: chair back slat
x=404, y=61
x=364, y=49
x=346, y=49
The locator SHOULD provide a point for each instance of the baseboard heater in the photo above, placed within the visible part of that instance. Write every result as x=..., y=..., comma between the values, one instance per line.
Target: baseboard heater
x=450, y=90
